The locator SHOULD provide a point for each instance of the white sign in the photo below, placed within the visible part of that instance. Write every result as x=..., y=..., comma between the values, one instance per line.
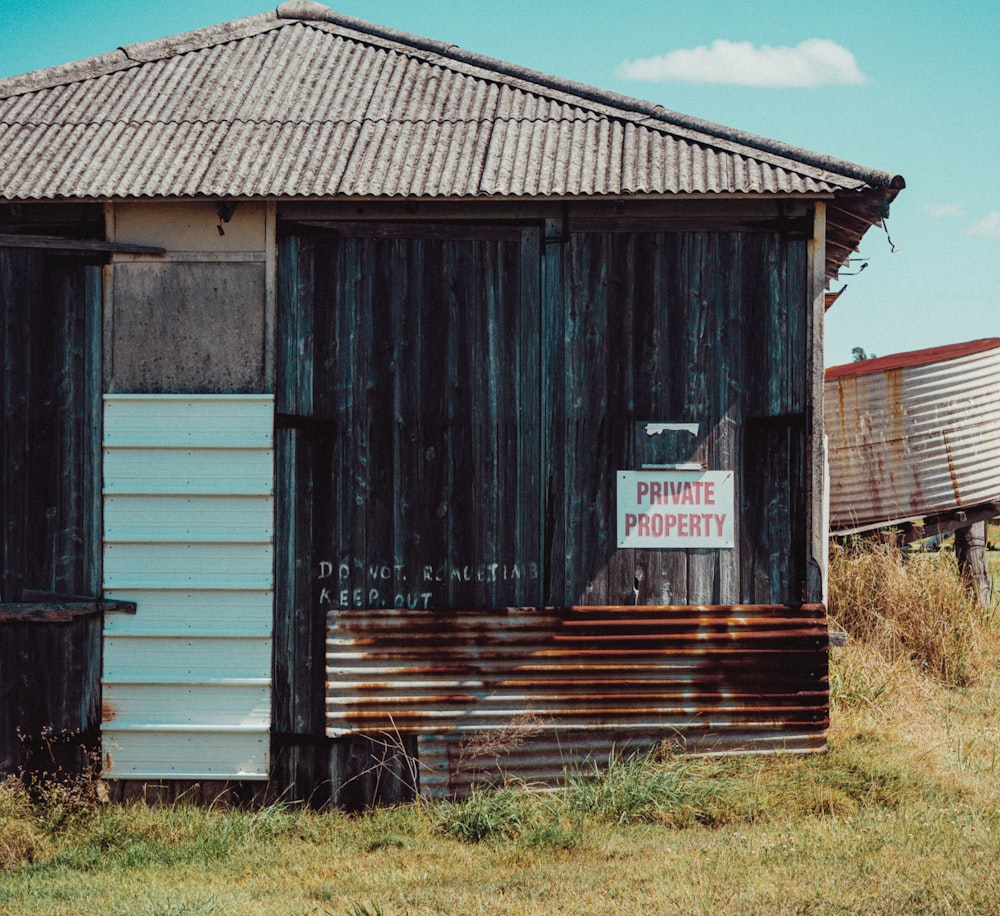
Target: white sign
x=673, y=509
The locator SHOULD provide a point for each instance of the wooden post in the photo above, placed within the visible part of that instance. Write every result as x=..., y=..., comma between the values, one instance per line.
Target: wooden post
x=970, y=552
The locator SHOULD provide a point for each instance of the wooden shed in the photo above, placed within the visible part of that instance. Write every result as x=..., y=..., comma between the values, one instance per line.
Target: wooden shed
x=422, y=405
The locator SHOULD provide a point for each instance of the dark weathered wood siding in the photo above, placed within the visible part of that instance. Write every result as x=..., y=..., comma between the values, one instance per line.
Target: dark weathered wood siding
x=50, y=436
x=455, y=402
x=50, y=653
x=705, y=327
x=470, y=393
x=50, y=688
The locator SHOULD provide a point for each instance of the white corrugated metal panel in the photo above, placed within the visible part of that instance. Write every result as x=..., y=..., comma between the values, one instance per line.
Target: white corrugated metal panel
x=195, y=660
x=179, y=753
x=195, y=471
x=157, y=706
x=187, y=519
x=188, y=536
x=201, y=564
x=207, y=612
x=209, y=422
x=913, y=434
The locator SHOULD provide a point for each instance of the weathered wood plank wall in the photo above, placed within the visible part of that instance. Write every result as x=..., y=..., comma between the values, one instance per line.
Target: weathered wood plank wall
x=458, y=398
x=50, y=437
x=429, y=375
x=687, y=327
x=49, y=524
x=473, y=423
x=50, y=689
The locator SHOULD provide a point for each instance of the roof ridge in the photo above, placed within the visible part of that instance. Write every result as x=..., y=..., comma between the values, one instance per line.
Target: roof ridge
x=136, y=54
x=308, y=10
x=378, y=119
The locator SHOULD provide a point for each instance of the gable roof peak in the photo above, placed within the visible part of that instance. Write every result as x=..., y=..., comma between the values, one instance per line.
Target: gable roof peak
x=305, y=103
x=309, y=10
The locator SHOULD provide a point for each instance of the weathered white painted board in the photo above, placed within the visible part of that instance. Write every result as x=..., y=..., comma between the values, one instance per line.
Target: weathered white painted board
x=196, y=565
x=178, y=754
x=189, y=518
x=202, y=612
x=179, y=706
x=164, y=472
x=184, y=421
x=142, y=659
x=188, y=536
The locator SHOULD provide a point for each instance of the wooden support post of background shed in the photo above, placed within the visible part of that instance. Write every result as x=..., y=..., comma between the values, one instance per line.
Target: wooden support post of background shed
x=970, y=552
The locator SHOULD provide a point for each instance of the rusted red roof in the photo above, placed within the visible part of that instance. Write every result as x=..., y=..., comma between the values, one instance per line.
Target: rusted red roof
x=913, y=358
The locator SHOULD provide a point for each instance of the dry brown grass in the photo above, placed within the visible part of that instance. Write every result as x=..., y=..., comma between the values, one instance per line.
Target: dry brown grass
x=911, y=608
x=21, y=840
x=921, y=667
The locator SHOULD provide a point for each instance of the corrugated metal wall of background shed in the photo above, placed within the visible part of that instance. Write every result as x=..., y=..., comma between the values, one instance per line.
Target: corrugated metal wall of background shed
x=188, y=536
x=912, y=440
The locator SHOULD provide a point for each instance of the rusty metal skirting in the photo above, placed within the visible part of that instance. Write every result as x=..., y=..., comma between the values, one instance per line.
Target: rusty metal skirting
x=562, y=686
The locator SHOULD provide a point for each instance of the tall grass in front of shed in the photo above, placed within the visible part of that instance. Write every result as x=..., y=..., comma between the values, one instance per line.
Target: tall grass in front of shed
x=901, y=815
x=910, y=609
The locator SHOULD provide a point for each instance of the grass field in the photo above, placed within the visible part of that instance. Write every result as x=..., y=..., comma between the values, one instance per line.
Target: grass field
x=902, y=815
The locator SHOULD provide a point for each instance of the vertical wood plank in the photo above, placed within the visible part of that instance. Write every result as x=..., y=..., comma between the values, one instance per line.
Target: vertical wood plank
x=298, y=764
x=461, y=463
x=418, y=367
x=48, y=306
x=432, y=488
x=621, y=343
x=552, y=406
x=381, y=417
x=651, y=327
x=526, y=426
x=674, y=257
x=729, y=385
x=701, y=401
x=587, y=446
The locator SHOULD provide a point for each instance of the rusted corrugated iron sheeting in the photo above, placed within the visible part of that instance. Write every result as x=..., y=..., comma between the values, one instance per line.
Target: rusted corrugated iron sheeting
x=913, y=434
x=278, y=107
x=450, y=765
x=707, y=678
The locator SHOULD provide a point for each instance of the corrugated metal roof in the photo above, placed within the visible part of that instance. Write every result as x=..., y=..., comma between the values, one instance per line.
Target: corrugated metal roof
x=923, y=357
x=285, y=108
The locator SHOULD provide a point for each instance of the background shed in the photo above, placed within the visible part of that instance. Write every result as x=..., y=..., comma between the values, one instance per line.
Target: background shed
x=913, y=435
x=375, y=323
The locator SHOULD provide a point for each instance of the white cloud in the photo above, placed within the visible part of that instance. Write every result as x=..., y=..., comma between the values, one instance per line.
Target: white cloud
x=814, y=62
x=988, y=226
x=943, y=211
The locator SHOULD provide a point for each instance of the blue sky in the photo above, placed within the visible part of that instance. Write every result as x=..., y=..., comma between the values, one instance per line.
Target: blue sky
x=909, y=87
